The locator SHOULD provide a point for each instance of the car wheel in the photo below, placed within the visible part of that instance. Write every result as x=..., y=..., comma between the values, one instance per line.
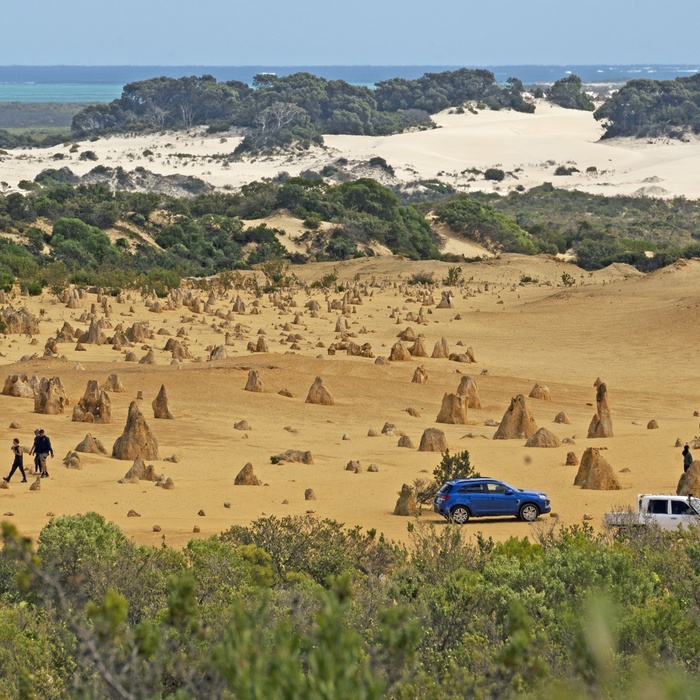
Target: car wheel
x=529, y=513
x=460, y=515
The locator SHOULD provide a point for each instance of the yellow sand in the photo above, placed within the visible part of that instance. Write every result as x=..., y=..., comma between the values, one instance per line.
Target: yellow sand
x=638, y=333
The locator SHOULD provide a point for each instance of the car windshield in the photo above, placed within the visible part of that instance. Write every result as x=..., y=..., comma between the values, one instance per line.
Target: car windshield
x=695, y=503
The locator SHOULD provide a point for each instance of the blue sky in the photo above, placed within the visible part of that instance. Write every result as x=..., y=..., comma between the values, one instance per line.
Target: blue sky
x=363, y=32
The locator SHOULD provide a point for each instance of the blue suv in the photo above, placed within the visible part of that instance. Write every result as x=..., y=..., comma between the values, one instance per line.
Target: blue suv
x=461, y=499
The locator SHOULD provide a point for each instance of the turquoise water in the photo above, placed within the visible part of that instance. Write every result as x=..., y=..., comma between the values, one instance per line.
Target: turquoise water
x=59, y=92
x=104, y=83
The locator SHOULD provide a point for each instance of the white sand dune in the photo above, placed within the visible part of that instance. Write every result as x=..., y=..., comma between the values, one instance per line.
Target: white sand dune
x=528, y=146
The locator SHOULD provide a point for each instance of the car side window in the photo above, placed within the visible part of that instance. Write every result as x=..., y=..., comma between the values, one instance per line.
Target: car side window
x=658, y=506
x=471, y=488
x=495, y=488
x=681, y=508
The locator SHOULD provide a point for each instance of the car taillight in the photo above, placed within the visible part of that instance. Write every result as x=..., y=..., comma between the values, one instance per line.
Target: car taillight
x=445, y=498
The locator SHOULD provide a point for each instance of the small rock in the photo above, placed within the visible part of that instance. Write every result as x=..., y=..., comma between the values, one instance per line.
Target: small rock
x=196, y=529
x=133, y=514
x=373, y=468
x=346, y=436
x=587, y=516
x=227, y=504
x=285, y=502
x=8, y=514
x=652, y=425
x=309, y=495
x=157, y=528
x=15, y=425
x=201, y=513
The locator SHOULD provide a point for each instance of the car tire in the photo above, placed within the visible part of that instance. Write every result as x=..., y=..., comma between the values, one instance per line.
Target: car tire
x=529, y=512
x=460, y=515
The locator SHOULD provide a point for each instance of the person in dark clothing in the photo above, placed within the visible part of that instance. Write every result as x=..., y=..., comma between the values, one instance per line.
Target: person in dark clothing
x=18, y=463
x=42, y=447
x=37, y=464
x=687, y=458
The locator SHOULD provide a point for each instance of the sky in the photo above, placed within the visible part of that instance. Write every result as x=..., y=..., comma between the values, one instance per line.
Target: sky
x=350, y=32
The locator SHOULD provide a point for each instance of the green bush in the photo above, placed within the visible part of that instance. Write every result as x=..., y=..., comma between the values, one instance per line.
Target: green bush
x=495, y=174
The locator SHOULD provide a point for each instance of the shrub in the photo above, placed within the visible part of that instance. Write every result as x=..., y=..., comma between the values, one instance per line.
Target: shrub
x=88, y=155
x=566, y=170
x=495, y=174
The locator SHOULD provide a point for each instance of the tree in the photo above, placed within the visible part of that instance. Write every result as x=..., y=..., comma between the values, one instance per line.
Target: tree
x=568, y=93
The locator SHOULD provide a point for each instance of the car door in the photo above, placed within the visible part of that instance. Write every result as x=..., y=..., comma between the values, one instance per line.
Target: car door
x=658, y=512
x=474, y=496
x=500, y=502
x=682, y=513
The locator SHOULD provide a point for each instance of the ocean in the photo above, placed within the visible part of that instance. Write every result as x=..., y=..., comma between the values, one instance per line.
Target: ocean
x=104, y=83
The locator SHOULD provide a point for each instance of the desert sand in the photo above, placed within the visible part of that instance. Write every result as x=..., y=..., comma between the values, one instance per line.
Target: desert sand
x=528, y=146
x=638, y=333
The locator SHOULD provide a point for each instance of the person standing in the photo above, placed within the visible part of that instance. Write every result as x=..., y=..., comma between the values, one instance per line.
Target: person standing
x=18, y=462
x=42, y=447
x=687, y=458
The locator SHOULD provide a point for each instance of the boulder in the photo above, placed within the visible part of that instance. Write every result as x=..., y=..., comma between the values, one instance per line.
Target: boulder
x=595, y=472
x=571, y=459
x=601, y=425
x=21, y=321
x=447, y=300
x=652, y=425
x=21, y=386
x=561, y=417
x=407, y=503
x=453, y=410
x=160, y=405
x=540, y=392
x=689, y=483
x=93, y=335
x=405, y=441
x=469, y=389
x=149, y=358
x=94, y=407
x=418, y=348
x=433, y=440
x=543, y=438
x=517, y=423
x=399, y=353
x=242, y=425
x=318, y=394
x=246, y=477
x=295, y=456
x=441, y=349
x=139, y=472
x=254, y=382
x=91, y=445
x=113, y=384
x=51, y=397
x=137, y=440
x=420, y=376
x=218, y=353
x=353, y=466
x=72, y=460
x=309, y=495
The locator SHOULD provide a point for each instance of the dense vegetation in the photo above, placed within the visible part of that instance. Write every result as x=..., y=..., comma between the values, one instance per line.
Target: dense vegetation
x=653, y=108
x=297, y=607
x=63, y=225
x=600, y=230
x=197, y=236
x=277, y=111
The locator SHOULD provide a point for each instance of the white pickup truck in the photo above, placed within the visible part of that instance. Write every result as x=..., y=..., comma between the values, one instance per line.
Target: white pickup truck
x=668, y=512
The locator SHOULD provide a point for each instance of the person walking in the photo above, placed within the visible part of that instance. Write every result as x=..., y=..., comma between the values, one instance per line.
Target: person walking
x=33, y=451
x=42, y=447
x=18, y=462
x=687, y=458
